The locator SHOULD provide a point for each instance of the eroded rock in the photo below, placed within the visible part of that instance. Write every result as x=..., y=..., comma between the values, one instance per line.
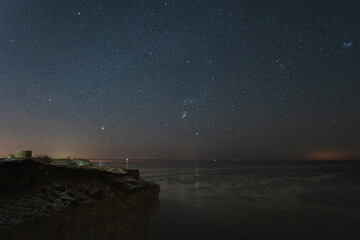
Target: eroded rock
x=33, y=192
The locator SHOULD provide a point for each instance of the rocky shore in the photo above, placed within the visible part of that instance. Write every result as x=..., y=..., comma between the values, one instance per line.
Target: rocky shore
x=34, y=194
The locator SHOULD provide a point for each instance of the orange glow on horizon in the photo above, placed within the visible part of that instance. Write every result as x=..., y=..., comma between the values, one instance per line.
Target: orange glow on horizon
x=330, y=155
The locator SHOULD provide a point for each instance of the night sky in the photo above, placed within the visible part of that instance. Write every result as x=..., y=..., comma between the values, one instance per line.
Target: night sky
x=181, y=79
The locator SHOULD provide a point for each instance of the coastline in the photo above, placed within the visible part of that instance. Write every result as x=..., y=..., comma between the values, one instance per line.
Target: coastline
x=33, y=191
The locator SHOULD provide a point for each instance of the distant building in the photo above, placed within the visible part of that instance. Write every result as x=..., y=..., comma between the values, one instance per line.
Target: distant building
x=11, y=156
x=24, y=154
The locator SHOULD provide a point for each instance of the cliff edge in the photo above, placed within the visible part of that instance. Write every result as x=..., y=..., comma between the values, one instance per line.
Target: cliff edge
x=31, y=190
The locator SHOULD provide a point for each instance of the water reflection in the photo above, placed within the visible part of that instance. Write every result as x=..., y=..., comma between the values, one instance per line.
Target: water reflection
x=259, y=201
x=223, y=200
x=123, y=217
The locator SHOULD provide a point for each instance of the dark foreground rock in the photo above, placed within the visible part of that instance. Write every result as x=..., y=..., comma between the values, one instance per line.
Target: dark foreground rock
x=45, y=201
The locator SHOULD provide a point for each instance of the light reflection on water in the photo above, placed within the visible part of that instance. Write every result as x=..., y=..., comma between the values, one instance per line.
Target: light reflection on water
x=211, y=200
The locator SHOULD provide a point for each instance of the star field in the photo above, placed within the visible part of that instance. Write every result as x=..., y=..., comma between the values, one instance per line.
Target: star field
x=180, y=79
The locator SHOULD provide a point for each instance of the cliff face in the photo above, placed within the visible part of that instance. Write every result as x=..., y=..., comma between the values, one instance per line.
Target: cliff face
x=44, y=201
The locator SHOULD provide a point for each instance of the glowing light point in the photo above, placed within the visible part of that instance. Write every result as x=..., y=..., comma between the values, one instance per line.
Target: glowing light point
x=184, y=115
x=347, y=44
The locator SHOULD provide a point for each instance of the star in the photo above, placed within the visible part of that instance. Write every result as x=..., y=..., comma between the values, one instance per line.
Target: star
x=347, y=44
x=184, y=115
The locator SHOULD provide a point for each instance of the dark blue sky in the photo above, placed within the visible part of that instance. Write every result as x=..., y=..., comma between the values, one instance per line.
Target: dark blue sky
x=180, y=79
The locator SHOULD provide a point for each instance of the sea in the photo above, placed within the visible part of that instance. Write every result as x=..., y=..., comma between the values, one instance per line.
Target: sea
x=235, y=199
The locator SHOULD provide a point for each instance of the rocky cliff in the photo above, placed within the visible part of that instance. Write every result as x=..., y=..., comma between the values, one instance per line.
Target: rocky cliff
x=52, y=201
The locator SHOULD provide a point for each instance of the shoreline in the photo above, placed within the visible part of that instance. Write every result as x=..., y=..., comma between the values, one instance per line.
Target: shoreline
x=32, y=190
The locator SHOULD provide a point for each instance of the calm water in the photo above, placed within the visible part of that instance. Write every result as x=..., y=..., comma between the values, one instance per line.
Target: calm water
x=234, y=200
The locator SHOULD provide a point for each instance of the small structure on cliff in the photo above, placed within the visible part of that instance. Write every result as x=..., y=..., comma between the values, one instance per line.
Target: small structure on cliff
x=27, y=154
